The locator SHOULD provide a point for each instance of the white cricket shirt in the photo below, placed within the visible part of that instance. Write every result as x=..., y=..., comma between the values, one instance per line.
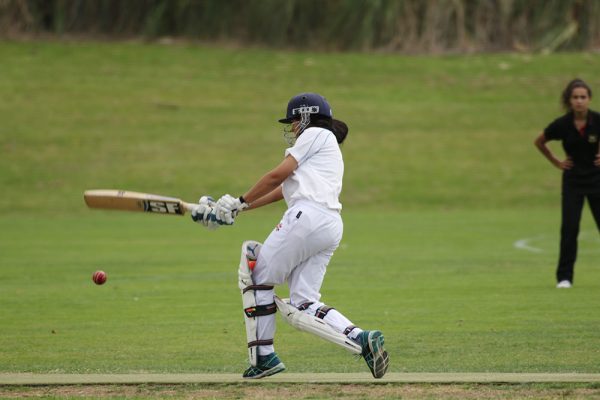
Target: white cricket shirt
x=320, y=170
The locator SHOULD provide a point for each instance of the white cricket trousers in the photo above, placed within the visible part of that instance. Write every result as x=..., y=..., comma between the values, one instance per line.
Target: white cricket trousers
x=298, y=251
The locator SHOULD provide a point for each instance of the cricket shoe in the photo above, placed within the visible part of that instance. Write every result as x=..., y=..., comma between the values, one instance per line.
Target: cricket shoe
x=373, y=352
x=265, y=366
x=564, y=284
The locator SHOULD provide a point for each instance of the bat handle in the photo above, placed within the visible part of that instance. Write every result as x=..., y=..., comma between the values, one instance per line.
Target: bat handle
x=188, y=207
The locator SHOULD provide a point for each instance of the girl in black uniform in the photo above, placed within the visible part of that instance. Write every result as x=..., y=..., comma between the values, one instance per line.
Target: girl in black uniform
x=579, y=132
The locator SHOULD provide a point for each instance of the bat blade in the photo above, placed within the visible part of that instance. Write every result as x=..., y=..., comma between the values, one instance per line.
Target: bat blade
x=124, y=200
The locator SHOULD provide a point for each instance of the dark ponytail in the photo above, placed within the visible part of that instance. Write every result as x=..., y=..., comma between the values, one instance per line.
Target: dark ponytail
x=340, y=130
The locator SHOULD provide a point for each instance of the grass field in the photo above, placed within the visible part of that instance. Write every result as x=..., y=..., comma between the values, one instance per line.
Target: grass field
x=441, y=182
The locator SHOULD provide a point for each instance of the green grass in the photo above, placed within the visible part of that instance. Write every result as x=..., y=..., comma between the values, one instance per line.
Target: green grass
x=448, y=289
x=184, y=120
x=441, y=179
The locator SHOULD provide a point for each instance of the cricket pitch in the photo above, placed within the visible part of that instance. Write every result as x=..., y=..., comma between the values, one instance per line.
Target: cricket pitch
x=100, y=379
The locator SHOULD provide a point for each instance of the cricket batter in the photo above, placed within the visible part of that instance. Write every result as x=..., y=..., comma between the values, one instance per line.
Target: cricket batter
x=298, y=250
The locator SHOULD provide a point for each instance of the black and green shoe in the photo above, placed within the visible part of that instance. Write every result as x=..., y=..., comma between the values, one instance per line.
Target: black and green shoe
x=373, y=352
x=265, y=366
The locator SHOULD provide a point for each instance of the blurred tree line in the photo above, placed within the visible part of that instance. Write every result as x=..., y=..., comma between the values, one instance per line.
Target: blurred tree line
x=409, y=26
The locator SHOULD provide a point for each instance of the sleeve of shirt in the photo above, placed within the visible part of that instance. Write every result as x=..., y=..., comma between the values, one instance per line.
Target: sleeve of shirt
x=306, y=145
x=554, y=131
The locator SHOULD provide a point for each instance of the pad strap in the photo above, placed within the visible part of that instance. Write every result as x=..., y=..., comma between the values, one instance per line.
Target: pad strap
x=264, y=342
x=322, y=311
x=304, y=306
x=259, y=311
x=349, y=329
x=257, y=287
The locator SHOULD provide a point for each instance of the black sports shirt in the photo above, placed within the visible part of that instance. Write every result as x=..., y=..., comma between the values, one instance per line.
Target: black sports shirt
x=581, y=147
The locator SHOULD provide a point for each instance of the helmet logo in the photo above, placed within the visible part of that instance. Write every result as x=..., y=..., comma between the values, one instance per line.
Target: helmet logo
x=306, y=110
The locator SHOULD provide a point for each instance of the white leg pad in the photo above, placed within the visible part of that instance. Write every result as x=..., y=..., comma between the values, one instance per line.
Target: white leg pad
x=250, y=251
x=308, y=323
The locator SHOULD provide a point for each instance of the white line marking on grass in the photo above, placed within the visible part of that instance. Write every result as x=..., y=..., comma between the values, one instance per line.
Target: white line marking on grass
x=523, y=244
x=589, y=241
x=14, y=379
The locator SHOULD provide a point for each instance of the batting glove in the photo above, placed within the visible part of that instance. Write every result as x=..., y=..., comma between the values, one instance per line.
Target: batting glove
x=204, y=213
x=228, y=207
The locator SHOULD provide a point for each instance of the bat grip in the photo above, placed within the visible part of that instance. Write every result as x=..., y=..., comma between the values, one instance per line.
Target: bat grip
x=189, y=207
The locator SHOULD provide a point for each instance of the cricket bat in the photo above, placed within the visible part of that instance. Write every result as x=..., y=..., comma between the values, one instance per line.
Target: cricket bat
x=134, y=201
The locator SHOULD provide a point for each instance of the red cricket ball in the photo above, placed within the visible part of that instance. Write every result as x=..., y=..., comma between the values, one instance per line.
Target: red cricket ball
x=99, y=277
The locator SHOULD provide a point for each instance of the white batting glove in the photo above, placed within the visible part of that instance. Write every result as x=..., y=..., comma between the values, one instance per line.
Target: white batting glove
x=228, y=207
x=204, y=213
x=212, y=222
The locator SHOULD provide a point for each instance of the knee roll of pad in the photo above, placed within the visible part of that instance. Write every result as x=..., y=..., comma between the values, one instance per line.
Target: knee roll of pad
x=250, y=252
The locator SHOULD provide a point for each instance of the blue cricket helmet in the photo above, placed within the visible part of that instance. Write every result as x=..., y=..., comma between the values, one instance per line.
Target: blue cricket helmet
x=305, y=104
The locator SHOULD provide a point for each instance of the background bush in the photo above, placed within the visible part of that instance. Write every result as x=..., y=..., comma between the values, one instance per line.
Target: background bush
x=409, y=26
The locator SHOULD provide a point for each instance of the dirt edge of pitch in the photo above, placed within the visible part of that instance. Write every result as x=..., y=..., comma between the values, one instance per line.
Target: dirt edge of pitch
x=364, y=378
